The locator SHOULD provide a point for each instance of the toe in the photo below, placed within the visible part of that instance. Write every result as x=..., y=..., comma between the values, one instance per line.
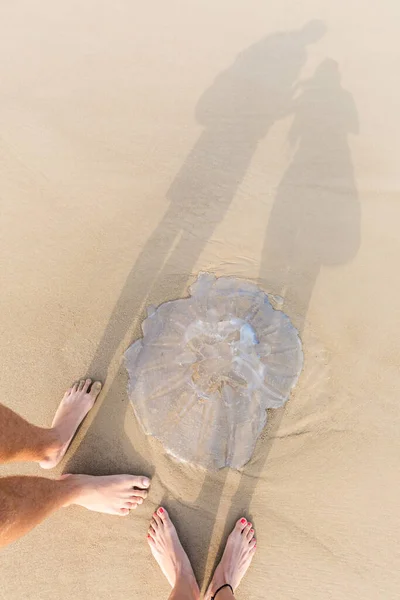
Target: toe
x=246, y=529
x=87, y=384
x=139, y=493
x=74, y=388
x=123, y=512
x=135, y=499
x=163, y=515
x=81, y=385
x=250, y=534
x=139, y=482
x=157, y=519
x=241, y=524
x=253, y=544
x=95, y=389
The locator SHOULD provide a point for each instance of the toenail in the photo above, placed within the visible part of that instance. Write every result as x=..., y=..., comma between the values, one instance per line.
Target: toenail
x=243, y=521
x=251, y=530
x=249, y=524
x=161, y=510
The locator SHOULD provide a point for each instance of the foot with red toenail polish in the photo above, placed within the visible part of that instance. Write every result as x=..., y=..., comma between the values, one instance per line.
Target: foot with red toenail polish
x=167, y=549
x=238, y=554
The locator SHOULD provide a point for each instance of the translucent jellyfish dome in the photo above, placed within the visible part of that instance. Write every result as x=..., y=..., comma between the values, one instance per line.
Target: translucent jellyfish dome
x=208, y=367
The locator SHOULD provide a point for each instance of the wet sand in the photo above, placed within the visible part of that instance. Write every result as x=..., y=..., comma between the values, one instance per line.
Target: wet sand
x=140, y=145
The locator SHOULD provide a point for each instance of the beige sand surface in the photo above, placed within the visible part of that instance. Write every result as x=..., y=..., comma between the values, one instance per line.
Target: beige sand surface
x=141, y=142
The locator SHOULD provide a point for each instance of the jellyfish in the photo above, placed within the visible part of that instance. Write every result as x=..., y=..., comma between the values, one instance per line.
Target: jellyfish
x=207, y=369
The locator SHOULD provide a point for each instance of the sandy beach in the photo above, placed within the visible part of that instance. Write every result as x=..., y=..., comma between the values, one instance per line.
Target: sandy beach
x=142, y=143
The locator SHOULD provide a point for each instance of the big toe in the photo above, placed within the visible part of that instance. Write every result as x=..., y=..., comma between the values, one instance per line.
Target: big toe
x=140, y=482
x=241, y=524
x=95, y=389
x=163, y=515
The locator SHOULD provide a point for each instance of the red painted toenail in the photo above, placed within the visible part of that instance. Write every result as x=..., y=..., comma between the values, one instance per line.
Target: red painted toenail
x=161, y=510
x=243, y=521
x=251, y=530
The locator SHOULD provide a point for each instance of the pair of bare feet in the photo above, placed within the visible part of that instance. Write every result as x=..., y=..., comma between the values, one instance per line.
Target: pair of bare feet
x=113, y=494
x=174, y=562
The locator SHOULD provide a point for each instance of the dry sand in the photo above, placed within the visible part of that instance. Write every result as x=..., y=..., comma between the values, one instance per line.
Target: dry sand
x=143, y=142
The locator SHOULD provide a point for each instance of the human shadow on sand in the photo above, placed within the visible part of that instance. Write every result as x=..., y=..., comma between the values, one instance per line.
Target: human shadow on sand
x=317, y=191
x=314, y=222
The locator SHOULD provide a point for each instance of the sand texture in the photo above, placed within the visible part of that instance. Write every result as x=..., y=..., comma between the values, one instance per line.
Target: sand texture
x=142, y=143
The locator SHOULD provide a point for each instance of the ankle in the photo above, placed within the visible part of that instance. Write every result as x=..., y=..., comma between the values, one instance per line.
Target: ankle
x=72, y=487
x=224, y=592
x=221, y=579
x=50, y=443
x=186, y=585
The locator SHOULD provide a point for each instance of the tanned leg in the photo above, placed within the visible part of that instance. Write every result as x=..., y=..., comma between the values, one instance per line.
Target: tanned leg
x=27, y=501
x=22, y=441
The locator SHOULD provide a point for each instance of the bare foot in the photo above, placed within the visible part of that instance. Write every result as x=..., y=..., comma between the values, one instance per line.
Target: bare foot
x=112, y=494
x=73, y=408
x=168, y=552
x=238, y=554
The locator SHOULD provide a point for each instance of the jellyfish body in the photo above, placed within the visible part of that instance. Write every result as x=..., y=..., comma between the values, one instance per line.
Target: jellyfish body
x=208, y=367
